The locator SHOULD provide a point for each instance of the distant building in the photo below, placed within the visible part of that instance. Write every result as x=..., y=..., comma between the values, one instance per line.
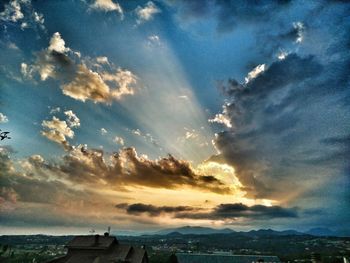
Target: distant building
x=222, y=258
x=101, y=249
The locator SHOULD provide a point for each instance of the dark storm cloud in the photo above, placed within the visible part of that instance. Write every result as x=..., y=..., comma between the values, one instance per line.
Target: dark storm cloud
x=220, y=212
x=228, y=14
x=254, y=95
x=336, y=153
x=152, y=210
x=255, y=115
x=339, y=140
x=289, y=121
x=291, y=70
x=239, y=209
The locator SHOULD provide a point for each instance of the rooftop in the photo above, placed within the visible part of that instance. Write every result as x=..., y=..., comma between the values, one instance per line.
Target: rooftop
x=91, y=242
x=93, y=249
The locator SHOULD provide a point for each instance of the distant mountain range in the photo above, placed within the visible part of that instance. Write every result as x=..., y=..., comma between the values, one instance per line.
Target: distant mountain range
x=194, y=230
x=197, y=230
x=320, y=231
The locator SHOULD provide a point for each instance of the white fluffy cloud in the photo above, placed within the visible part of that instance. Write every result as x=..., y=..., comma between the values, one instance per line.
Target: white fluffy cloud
x=300, y=28
x=102, y=60
x=123, y=81
x=45, y=64
x=107, y=6
x=21, y=11
x=118, y=140
x=58, y=130
x=55, y=110
x=57, y=44
x=87, y=84
x=72, y=119
x=223, y=118
x=103, y=131
x=80, y=78
x=147, y=12
x=12, y=12
x=3, y=118
x=154, y=41
x=255, y=72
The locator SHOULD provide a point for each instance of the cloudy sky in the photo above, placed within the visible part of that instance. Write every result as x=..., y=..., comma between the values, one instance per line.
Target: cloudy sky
x=141, y=115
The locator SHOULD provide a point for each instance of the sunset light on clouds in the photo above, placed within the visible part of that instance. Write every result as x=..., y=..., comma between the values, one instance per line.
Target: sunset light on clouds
x=141, y=115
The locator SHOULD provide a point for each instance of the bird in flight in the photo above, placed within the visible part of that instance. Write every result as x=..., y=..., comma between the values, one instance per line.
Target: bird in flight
x=3, y=135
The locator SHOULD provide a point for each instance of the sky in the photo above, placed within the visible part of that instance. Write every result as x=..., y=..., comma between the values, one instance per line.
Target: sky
x=143, y=115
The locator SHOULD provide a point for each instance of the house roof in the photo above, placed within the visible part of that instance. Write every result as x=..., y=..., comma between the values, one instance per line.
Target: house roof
x=84, y=249
x=78, y=258
x=121, y=252
x=137, y=254
x=89, y=242
x=220, y=258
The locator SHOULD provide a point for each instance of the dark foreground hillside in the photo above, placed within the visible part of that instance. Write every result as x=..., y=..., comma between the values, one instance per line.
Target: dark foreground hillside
x=297, y=248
